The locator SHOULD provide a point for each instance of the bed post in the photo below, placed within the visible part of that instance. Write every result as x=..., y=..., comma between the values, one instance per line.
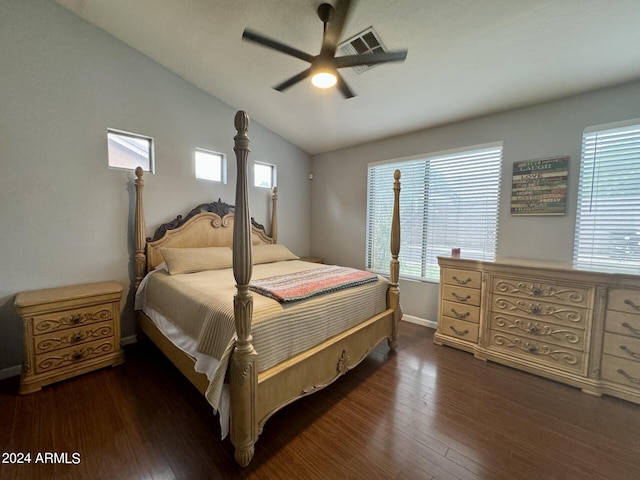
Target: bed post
x=140, y=230
x=274, y=215
x=393, y=296
x=243, y=375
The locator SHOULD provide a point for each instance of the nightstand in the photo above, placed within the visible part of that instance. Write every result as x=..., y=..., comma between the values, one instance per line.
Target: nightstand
x=69, y=331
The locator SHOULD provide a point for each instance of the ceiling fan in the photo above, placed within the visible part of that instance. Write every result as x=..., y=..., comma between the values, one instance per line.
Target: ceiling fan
x=324, y=66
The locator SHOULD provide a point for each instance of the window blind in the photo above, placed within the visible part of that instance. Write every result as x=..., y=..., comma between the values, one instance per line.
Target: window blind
x=448, y=200
x=607, y=236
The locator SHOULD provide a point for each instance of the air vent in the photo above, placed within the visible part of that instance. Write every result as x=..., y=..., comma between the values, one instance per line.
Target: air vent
x=366, y=41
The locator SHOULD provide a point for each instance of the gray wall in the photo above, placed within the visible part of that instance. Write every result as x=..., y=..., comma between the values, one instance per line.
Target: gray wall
x=66, y=218
x=551, y=129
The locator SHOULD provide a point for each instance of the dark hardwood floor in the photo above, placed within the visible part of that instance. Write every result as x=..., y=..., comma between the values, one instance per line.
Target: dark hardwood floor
x=425, y=412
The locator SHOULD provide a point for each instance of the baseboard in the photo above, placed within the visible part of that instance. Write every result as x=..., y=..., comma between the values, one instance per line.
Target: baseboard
x=128, y=340
x=420, y=321
x=10, y=372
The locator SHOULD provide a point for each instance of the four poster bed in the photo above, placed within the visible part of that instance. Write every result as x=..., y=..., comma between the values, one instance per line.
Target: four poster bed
x=250, y=353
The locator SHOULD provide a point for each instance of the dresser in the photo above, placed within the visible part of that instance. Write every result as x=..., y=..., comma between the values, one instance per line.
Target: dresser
x=580, y=328
x=69, y=331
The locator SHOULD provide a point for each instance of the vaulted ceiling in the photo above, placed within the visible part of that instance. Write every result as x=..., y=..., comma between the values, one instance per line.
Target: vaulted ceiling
x=466, y=57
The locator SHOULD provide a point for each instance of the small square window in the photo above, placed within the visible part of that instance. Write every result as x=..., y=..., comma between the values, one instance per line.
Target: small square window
x=210, y=166
x=129, y=150
x=264, y=175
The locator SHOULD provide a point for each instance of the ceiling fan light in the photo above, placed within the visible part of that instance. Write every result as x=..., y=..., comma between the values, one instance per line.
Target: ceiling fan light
x=324, y=79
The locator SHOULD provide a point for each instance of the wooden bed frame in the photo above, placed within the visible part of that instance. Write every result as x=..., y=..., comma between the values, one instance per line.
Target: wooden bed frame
x=256, y=396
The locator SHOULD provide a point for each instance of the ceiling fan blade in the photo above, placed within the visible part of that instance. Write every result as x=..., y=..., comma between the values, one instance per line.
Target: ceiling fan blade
x=293, y=80
x=370, y=58
x=333, y=30
x=260, y=39
x=344, y=88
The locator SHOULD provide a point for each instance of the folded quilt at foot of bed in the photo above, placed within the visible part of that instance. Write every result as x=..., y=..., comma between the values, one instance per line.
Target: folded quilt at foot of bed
x=310, y=283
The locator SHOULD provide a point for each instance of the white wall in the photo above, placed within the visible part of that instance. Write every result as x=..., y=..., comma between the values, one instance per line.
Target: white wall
x=65, y=217
x=551, y=129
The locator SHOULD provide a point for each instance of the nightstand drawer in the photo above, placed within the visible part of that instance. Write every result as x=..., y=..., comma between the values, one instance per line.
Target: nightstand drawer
x=72, y=318
x=73, y=355
x=71, y=337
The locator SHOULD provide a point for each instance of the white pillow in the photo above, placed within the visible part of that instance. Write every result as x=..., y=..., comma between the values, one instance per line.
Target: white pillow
x=271, y=253
x=190, y=260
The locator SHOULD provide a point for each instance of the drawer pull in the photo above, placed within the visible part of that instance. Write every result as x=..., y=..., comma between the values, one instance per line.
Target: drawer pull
x=629, y=377
x=535, y=310
x=537, y=291
x=460, y=315
x=460, y=333
x=460, y=298
x=630, y=352
x=76, y=337
x=461, y=282
x=75, y=356
x=76, y=319
x=635, y=331
x=534, y=329
x=632, y=305
x=531, y=348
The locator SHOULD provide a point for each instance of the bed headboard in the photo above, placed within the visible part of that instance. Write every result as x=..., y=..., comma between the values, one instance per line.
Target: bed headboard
x=206, y=225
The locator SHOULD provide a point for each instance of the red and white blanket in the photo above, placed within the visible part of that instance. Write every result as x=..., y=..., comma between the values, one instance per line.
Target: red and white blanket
x=310, y=283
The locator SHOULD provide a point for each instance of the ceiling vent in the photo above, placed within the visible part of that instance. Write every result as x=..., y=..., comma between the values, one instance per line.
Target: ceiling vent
x=366, y=41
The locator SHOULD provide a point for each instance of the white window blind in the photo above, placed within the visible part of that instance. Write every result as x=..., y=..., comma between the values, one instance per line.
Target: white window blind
x=607, y=234
x=449, y=200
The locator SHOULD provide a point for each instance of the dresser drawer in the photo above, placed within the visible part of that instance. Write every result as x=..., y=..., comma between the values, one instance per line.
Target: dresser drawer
x=564, y=294
x=537, y=352
x=624, y=300
x=459, y=329
x=52, y=322
x=538, y=330
x=73, y=355
x=462, y=278
x=453, y=293
x=71, y=337
x=620, y=370
x=621, y=346
x=539, y=310
x=460, y=311
x=622, y=323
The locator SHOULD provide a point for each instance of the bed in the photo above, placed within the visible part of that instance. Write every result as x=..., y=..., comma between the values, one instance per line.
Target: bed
x=248, y=323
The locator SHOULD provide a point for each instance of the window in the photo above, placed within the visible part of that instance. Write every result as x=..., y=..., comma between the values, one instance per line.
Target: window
x=607, y=234
x=447, y=200
x=210, y=166
x=129, y=151
x=264, y=175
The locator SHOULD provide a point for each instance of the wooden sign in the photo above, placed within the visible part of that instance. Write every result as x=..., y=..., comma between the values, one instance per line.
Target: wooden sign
x=540, y=187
